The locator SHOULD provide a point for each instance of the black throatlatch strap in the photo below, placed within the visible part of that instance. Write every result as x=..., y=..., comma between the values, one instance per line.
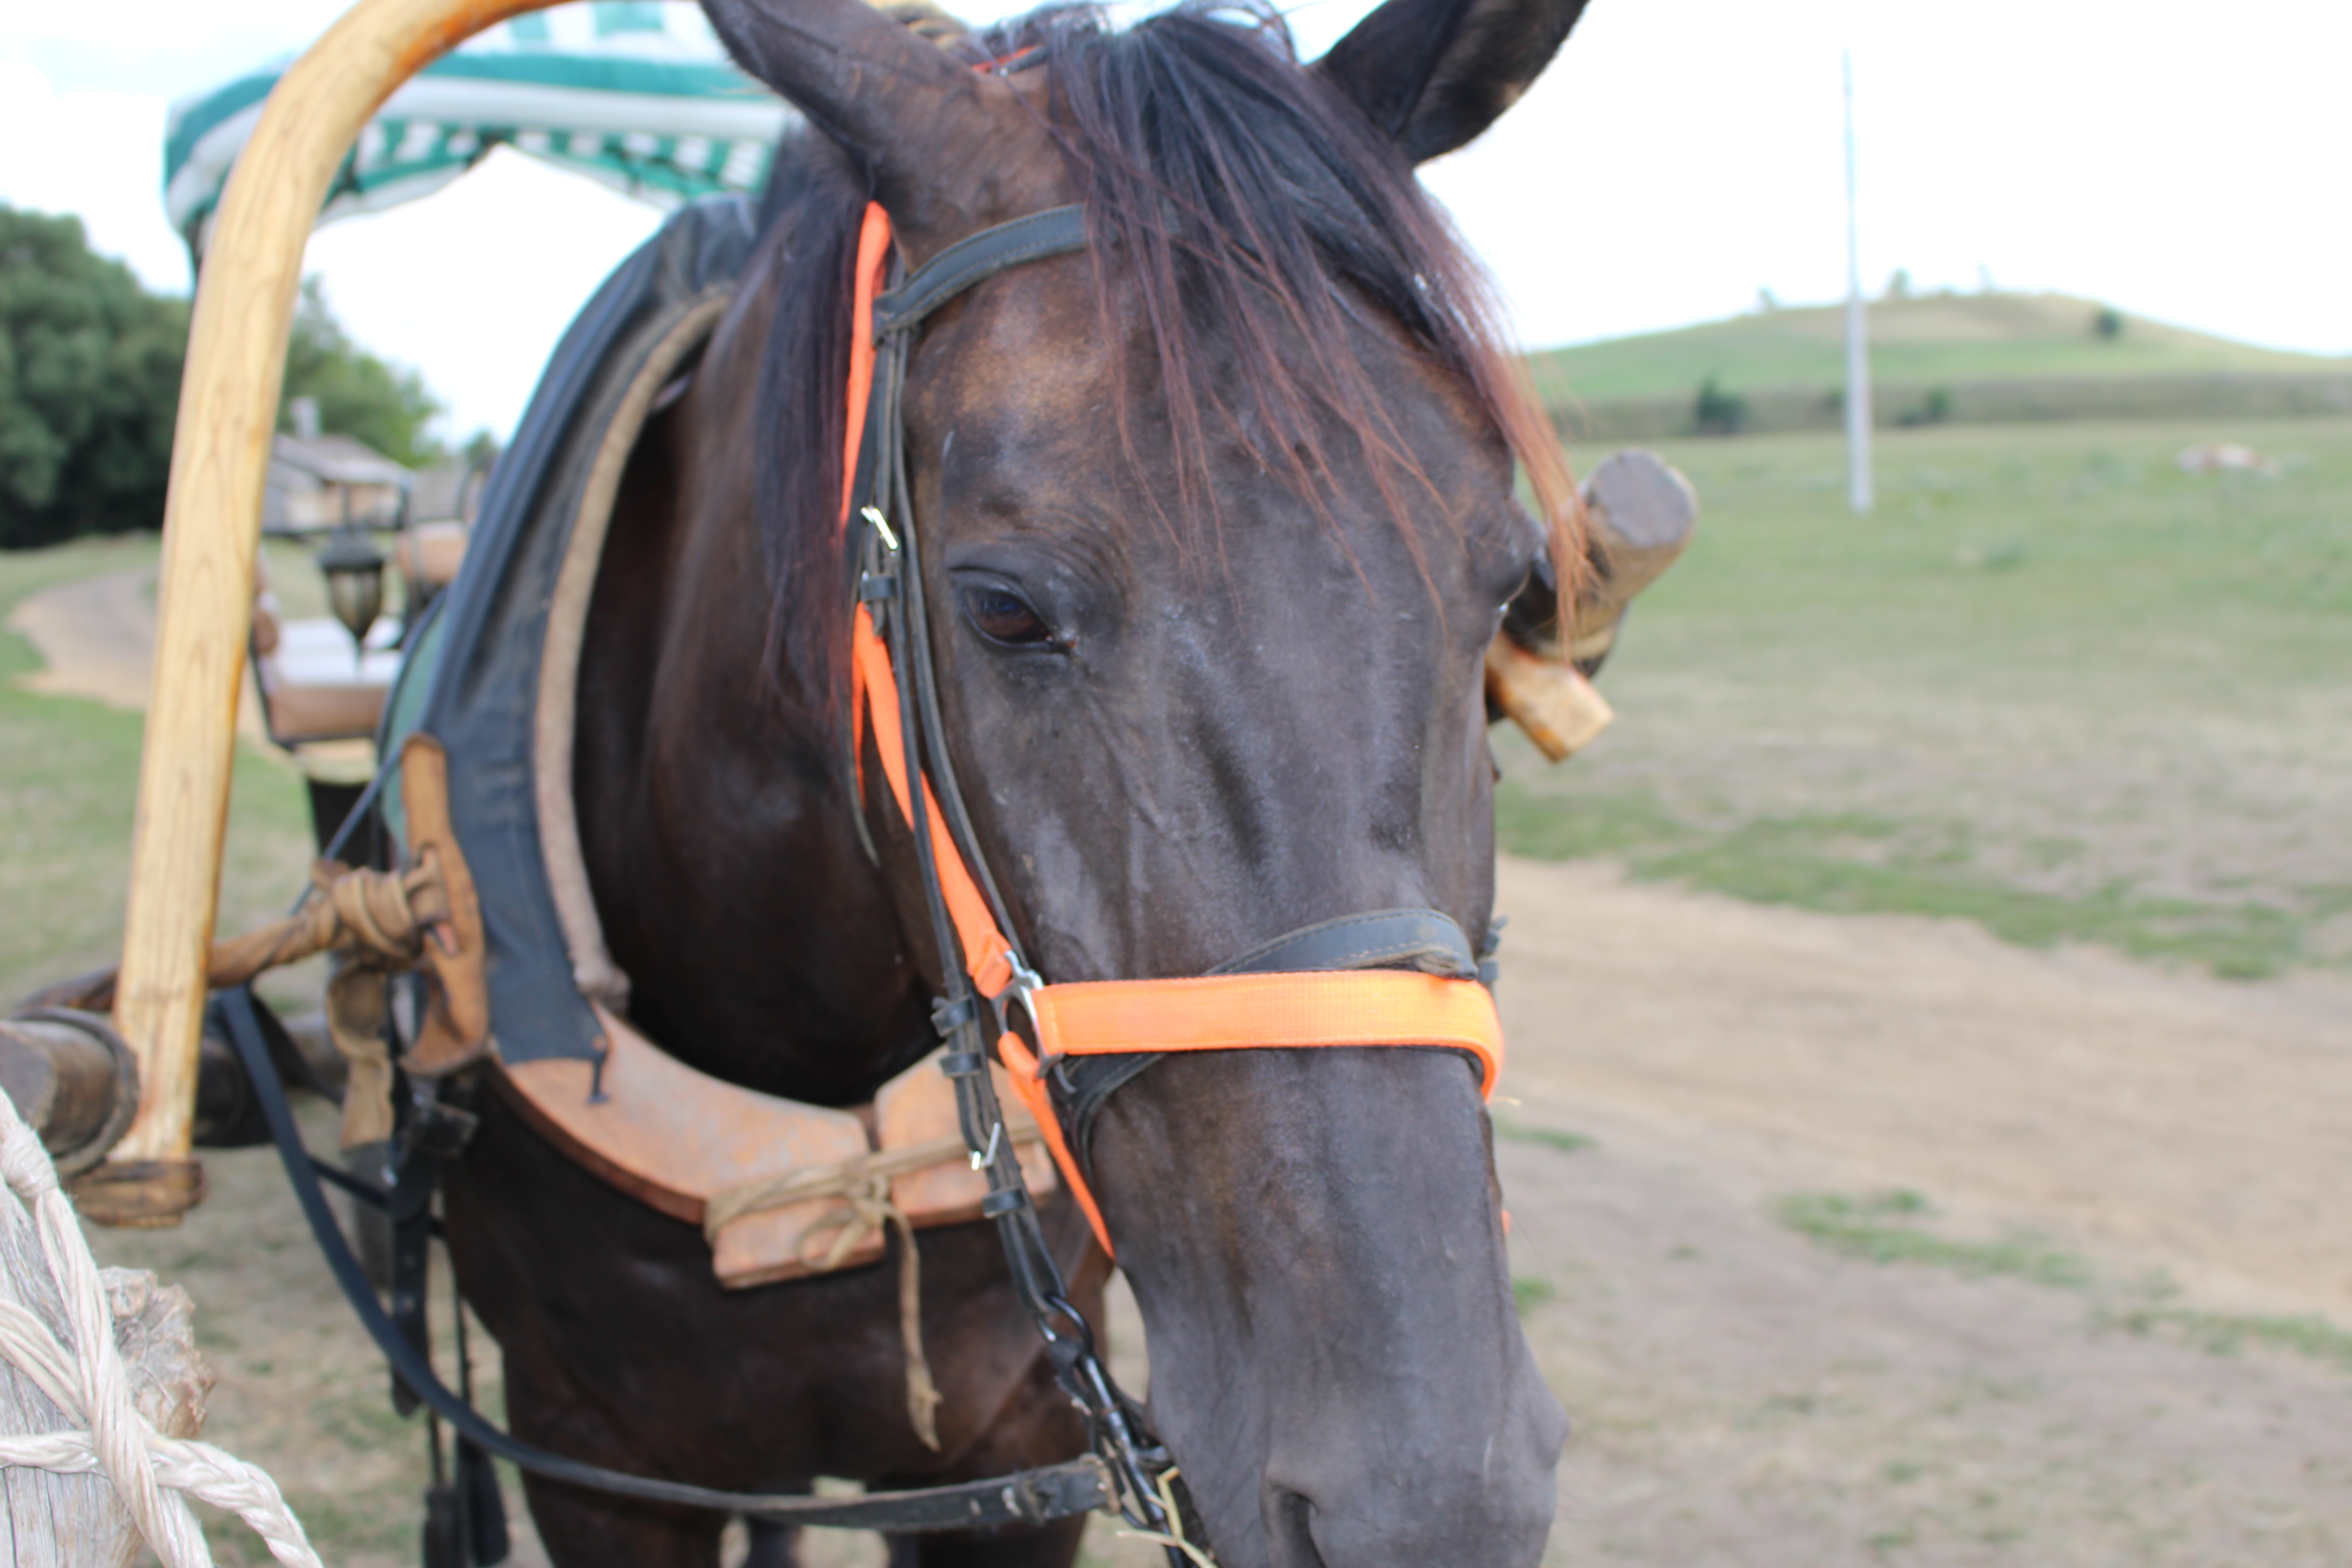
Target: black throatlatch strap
x=1030, y=1497
x=1054, y=232
x=1382, y=939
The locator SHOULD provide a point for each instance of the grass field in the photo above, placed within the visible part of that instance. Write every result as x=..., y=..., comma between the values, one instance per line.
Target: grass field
x=2054, y=686
x=68, y=783
x=1927, y=341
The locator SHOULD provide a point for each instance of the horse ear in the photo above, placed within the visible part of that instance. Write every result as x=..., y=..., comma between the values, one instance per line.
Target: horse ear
x=907, y=113
x=1433, y=74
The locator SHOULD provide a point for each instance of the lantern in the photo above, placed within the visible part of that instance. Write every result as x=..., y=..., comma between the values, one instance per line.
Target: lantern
x=354, y=568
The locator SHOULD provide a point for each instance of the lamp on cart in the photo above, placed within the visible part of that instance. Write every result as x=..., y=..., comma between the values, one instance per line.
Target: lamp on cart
x=354, y=568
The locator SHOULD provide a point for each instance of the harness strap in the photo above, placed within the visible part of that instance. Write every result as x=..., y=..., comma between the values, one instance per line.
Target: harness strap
x=987, y=955
x=1270, y=1012
x=1135, y=1021
x=1415, y=939
x=1056, y=231
x=1381, y=939
x=873, y=257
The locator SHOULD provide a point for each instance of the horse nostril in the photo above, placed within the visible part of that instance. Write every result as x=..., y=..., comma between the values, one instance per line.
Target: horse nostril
x=1290, y=1529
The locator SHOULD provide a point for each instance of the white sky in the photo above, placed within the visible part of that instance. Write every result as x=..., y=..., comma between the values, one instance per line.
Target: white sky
x=2190, y=162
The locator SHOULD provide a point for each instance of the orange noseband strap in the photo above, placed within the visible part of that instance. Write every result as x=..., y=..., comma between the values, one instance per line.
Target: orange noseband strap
x=1117, y=1017
x=1236, y=1013
x=1271, y=1011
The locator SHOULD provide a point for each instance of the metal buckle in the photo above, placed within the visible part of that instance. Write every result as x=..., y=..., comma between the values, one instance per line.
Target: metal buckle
x=1019, y=990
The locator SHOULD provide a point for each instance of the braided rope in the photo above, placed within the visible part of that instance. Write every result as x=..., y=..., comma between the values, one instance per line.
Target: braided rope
x=149, y=1471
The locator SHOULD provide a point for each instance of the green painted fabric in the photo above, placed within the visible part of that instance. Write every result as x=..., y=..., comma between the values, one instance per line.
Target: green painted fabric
x=637, y=96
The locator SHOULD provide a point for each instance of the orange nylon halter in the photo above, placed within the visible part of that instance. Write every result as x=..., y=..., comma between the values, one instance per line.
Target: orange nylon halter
x=1115, y=1017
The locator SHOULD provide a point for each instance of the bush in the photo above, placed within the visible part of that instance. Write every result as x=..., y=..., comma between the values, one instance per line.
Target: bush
x=1718, y=411
x=2108, y=323
x=1934, y=409
x=90, y=386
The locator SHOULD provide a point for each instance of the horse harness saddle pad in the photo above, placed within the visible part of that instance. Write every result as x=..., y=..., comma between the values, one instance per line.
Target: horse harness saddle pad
x=481, y=718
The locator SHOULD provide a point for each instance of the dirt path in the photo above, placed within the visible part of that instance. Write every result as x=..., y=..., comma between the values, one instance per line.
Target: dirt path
x=1744, y=1397
x=98, y=638
x=2200, y=1125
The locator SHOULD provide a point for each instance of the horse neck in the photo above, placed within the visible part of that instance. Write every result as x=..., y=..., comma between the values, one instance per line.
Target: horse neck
x=761, y=942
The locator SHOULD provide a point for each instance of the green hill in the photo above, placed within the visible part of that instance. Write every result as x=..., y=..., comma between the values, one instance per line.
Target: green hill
x=1931, y=340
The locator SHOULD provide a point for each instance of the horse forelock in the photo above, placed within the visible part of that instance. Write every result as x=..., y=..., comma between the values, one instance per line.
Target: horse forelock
x=812, y=204
x=1247, y=208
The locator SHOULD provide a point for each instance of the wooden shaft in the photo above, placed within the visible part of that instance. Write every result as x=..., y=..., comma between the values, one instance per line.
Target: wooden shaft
x=1642, y=510
x=212, y=526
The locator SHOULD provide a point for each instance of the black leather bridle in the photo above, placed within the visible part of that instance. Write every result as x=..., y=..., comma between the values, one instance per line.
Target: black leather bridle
x=883, y=539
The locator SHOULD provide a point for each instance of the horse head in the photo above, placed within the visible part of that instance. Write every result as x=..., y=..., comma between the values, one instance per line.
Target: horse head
x=1217, y=519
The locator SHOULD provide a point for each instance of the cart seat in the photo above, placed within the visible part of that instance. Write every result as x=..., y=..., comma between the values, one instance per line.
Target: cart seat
x=314, y=684
x=430, y=552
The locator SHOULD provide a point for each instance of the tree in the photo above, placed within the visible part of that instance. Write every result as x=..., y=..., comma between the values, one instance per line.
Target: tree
x=1718, y=411
x=358, y=394
x=90, y=386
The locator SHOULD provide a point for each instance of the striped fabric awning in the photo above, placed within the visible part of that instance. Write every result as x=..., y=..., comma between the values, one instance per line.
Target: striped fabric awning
x=637, y=94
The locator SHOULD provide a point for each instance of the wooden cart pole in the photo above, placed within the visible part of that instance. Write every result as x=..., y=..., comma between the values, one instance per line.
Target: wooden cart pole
x=212, y=527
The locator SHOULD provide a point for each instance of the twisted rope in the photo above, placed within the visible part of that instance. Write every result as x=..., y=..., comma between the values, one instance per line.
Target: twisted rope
x=863, y=1184
x=149, y=1471
x=380, y=914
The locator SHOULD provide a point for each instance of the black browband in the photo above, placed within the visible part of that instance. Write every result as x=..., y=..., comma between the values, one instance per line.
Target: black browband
x=1057, y=231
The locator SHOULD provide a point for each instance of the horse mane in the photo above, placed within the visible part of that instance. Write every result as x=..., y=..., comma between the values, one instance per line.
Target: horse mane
x=1255, y=210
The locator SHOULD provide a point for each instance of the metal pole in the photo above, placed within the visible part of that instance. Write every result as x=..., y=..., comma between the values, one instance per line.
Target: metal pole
x=1857, y=334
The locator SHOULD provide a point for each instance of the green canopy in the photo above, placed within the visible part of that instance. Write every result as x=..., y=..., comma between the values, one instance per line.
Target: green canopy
x=637, y=94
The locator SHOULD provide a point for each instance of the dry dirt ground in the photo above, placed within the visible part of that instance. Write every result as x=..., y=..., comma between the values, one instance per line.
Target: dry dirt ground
x=2159, y=1157
x=98, y=638
x=2109, y=1334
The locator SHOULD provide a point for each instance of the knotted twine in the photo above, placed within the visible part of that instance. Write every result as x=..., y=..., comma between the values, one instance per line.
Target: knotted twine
x=149, y=1471
x=863, y=1184
x=374, y=922
x=382, y=915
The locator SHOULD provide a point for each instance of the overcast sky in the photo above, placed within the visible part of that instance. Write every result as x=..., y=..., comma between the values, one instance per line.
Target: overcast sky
x=2189, y=162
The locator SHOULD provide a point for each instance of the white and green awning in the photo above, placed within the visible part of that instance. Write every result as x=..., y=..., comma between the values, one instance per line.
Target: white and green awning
x=636, y=94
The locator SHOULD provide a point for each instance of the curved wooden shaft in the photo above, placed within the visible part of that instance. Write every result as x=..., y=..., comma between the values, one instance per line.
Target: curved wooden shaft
x=220, y=456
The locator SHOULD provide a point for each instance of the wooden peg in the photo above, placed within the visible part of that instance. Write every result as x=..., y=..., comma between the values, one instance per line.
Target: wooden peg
x=1641, y=513
x=1561, y=711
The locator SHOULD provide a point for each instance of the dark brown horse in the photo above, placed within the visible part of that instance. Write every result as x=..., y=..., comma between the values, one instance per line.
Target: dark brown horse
x=1220, y=516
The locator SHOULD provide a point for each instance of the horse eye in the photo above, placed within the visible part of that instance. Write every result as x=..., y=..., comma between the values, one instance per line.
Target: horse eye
x=1003, y=616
